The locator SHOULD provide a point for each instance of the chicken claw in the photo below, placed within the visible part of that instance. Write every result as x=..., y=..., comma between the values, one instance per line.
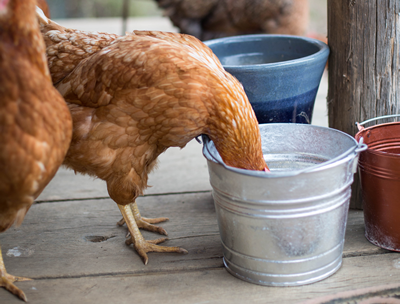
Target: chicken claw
x=145, y=223
x=141, y=245
x=7, y=280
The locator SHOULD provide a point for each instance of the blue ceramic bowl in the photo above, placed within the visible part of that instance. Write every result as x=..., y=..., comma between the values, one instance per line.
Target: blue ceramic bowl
x=280, y=73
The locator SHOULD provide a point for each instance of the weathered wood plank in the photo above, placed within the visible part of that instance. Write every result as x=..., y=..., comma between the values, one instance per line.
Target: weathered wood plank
x=355, y=242
x=205, y=286
x=191, y=176
x=55, y=245
x=81, y=238
x=59, y=239
x=364, y=39
x=388, y=293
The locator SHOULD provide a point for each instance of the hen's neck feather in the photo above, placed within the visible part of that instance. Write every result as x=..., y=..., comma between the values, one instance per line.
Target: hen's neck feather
x=76, y=45
x=20, y=35
x=234, y=130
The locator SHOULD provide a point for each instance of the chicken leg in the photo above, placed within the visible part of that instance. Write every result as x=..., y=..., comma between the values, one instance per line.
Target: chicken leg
x=145, y=223
x=7, y=280
x=141, y=245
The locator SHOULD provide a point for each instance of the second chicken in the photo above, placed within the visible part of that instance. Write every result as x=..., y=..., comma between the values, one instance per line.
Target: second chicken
x=144, y=93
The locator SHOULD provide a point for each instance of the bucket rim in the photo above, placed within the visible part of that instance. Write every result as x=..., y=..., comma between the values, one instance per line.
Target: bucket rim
x=323, y=49
x=376, y=127
x=362, y=131
x=340, y=159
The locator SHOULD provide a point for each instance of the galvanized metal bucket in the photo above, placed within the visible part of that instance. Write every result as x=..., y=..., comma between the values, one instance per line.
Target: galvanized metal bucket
x=286, y=227
x=379, y=169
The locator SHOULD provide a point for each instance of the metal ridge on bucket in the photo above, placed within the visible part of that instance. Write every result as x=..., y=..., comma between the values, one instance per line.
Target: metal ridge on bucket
x=286, y=228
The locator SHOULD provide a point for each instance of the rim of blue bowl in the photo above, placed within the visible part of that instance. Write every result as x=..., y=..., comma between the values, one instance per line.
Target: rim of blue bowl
x=323, y=49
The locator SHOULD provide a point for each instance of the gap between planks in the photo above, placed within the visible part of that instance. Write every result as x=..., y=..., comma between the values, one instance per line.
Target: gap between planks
x=107, y=197
x=355, y=219
x=163, y=272
x=183, y=271
x=128, y=273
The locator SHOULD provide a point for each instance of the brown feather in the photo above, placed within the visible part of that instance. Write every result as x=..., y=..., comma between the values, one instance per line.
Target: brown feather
x=35, y=124
x=67, y=47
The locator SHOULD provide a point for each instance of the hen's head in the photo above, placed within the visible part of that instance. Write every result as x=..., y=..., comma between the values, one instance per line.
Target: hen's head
x=233, y=127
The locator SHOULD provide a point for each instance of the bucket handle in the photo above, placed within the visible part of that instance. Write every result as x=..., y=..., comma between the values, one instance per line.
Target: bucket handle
x=206, y=140
x=361, y=124
x=361, y=146
x=349, y=153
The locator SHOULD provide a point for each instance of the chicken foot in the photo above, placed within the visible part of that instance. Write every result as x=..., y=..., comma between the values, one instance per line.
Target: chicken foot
x=145, y=223
x=7, y=280
x=142, y=246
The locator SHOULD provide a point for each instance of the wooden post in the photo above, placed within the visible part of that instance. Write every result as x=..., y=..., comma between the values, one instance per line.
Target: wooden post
x=125, y=16
x=364, y=66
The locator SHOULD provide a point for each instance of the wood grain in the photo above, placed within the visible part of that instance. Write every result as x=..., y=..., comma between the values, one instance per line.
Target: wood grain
x=364, y=39
x=80, y=238
x=204, y=286
x=76, y=254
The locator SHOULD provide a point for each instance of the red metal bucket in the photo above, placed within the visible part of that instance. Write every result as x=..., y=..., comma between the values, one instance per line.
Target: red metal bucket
x=379, y=168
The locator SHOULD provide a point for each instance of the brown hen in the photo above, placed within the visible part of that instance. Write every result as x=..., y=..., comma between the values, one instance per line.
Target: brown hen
x=209, y=19
x=144, y=93
x=35, y=124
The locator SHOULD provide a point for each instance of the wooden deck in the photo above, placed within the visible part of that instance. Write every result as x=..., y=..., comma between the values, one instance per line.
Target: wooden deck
x=71, y=247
